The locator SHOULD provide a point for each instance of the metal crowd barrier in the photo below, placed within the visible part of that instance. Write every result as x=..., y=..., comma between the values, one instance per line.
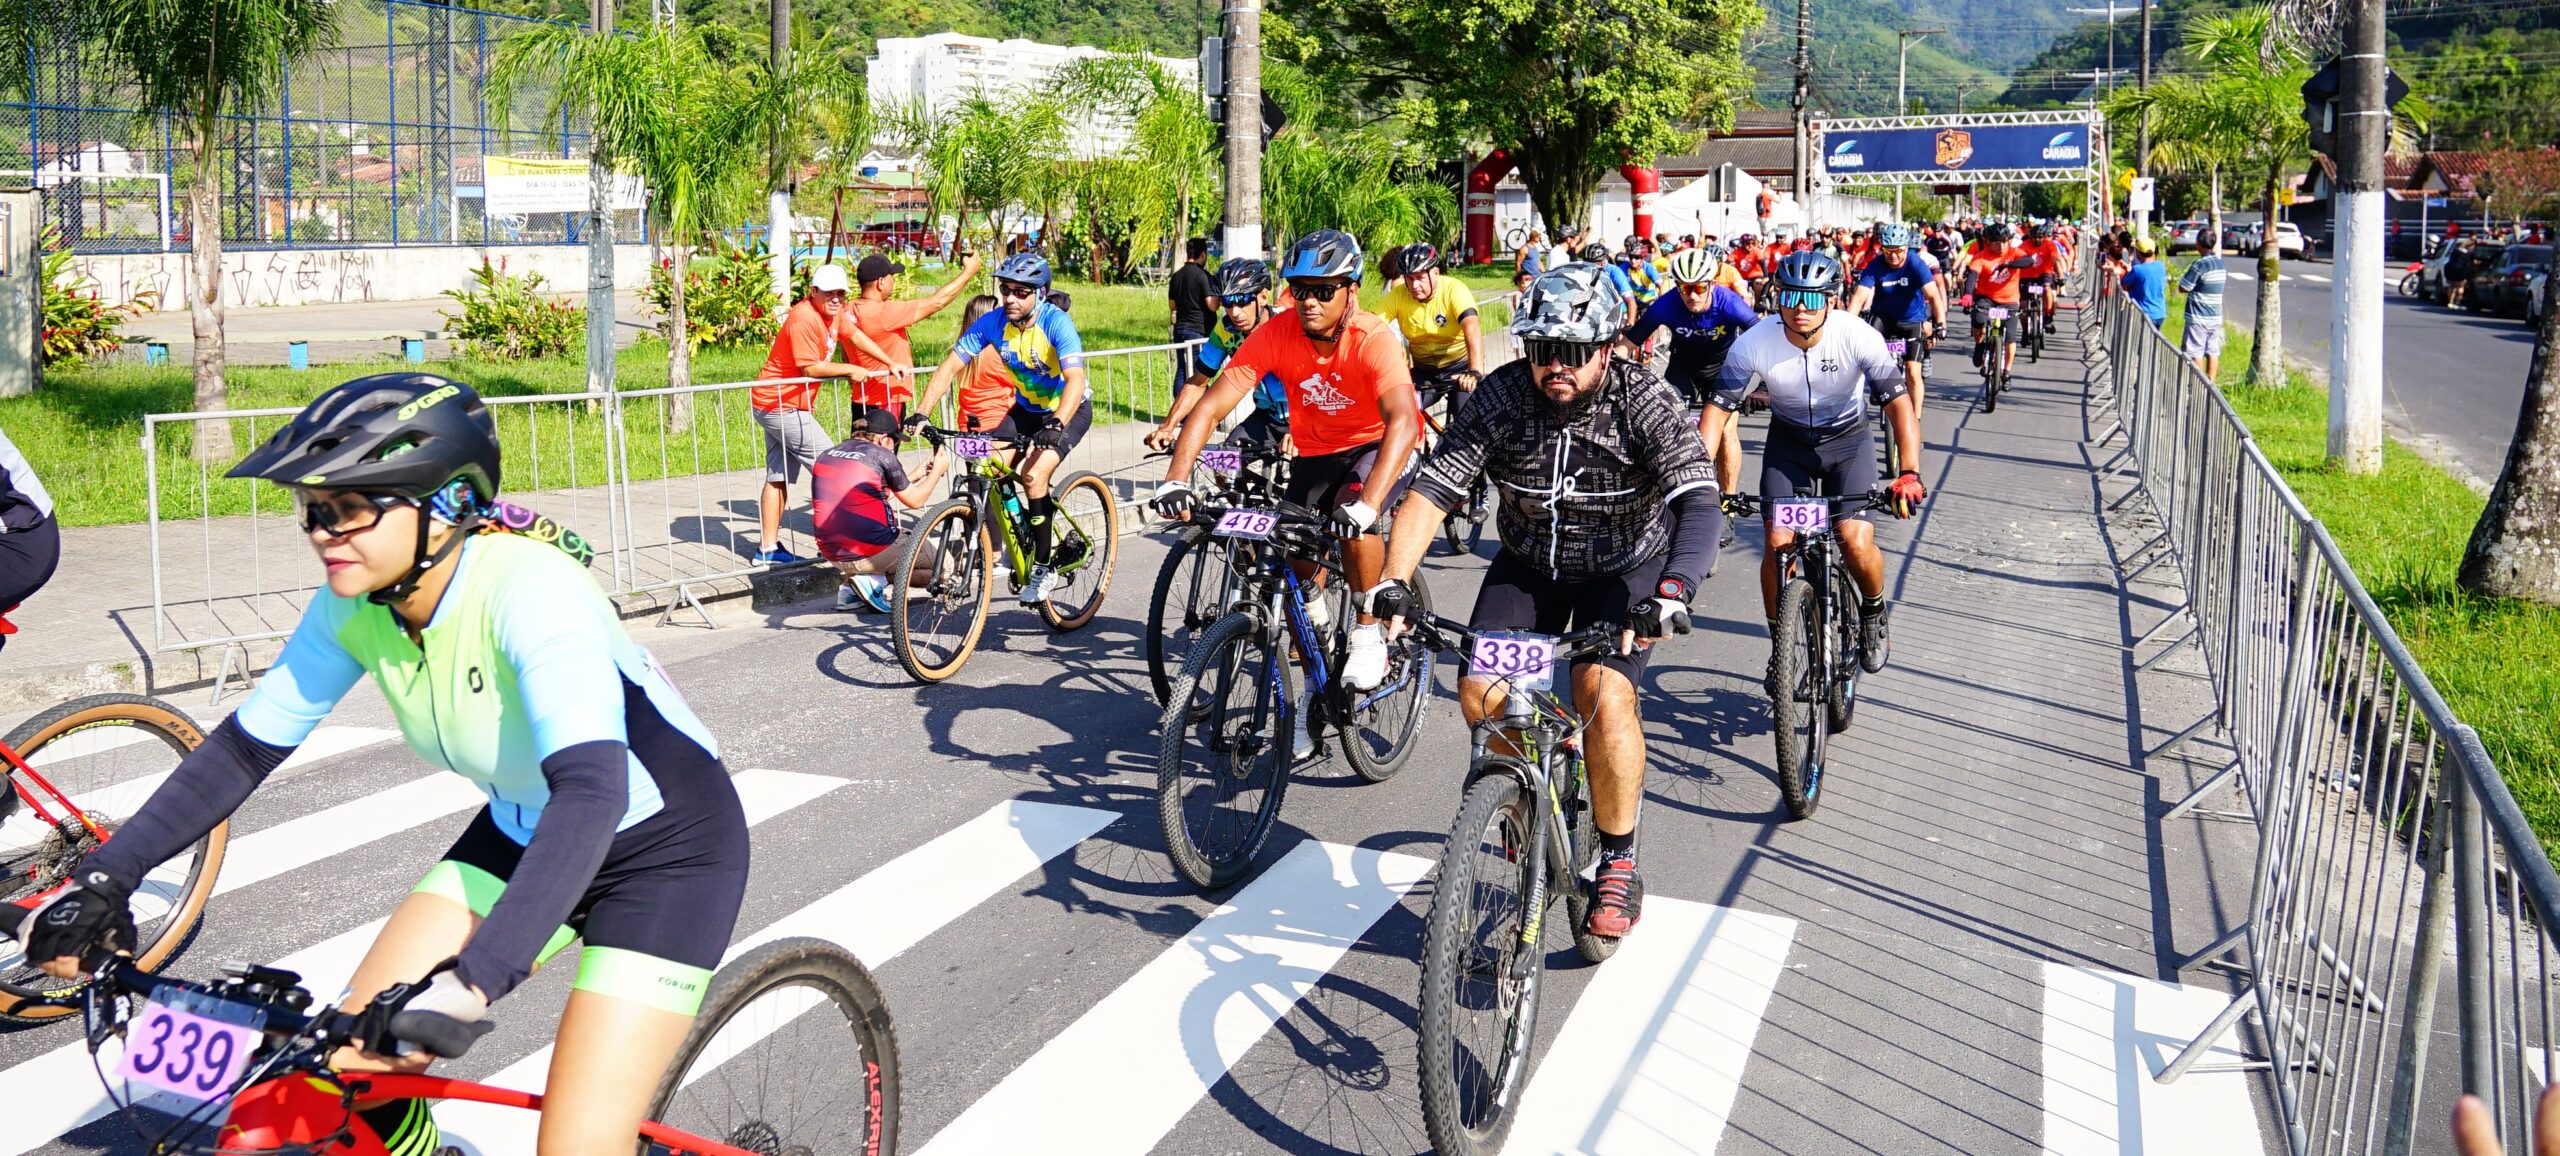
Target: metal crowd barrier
x=2393, y=868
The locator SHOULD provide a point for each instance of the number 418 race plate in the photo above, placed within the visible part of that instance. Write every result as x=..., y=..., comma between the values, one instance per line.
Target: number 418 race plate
x=1254, y=524
x=1528, y=660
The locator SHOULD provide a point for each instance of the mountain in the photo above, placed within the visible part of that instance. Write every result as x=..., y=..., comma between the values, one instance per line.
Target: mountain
x=737, y=29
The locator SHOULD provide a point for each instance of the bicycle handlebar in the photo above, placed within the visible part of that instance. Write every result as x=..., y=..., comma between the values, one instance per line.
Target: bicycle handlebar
x=284, y=1003
x=1451, y=635
x=1754, y=505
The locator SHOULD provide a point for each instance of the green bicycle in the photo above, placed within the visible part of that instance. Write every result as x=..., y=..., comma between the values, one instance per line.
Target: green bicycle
x=941, y=609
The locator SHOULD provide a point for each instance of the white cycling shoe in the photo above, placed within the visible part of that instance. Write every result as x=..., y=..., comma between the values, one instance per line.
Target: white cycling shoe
x=1366, y=665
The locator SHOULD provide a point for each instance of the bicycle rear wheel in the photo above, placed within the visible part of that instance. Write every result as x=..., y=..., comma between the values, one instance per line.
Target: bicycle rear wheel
x=1085, y=549
x=766, y=1066
x=941, y=607
x=1840, y=703
x=1222, y=755
x=1477, y=1020
x=105, y=753
x=1379, y=737
x=1191, y=592
x=1464, y=527
x=1795, y=700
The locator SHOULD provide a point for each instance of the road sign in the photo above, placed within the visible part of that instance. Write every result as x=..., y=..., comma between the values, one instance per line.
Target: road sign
x=2139, y=194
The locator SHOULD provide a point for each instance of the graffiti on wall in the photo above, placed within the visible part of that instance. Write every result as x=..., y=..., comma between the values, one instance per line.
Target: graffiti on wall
x=255, y=278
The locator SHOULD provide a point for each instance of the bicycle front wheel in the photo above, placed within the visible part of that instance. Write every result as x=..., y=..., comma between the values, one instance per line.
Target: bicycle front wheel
x=941, y=608
x=1222, y=755
x=793, y=1051
x=1084, y=549
x=1190, y=594
x=1795, y=700
x=1383, y=725
x=1991, y=379
x=1464, y=527
x=95, y=760
x=1482, y=967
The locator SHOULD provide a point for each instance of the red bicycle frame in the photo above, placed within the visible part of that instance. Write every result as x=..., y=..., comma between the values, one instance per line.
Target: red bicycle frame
x=60, y=799
x=303, y=1110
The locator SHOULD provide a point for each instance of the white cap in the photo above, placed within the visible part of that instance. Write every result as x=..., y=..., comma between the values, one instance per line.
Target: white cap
x=829, y=279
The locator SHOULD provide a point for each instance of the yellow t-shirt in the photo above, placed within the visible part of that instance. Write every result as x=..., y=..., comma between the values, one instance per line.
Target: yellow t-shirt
x=1432, y=327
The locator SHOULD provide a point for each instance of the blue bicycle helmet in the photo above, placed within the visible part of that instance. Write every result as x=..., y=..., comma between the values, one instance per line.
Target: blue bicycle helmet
x=1323, y=253
x=1893, y=235
x=1809, y=270
x=1025, y=269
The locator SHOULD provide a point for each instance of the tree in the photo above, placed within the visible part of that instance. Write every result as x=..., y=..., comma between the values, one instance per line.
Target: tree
x=2525, y=181
x=1172, y=149
x=2514, y=550
x=1571, y=89
x=985, y=153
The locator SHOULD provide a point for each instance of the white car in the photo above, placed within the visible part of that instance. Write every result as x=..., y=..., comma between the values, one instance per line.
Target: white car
x=2289, y=242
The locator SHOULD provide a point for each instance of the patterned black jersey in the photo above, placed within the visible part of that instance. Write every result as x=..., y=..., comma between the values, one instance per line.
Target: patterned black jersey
x=1583, y=490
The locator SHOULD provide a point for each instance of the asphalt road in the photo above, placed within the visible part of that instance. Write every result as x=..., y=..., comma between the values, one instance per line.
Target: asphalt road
x=1965, y=951
x=2450, y=375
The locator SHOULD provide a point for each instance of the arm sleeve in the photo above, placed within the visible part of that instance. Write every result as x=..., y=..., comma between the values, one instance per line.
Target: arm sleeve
x=590, y=787
x=1697, y=524
x=210, y=783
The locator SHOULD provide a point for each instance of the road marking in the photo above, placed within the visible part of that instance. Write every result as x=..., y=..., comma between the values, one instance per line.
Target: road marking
x=877, y=917
x=2105, y=1035
x=1172, y=1030
x=2315, y=278
x=121, y=799
x=58, y=1091
x=1652, y=1056
x=2237, y=275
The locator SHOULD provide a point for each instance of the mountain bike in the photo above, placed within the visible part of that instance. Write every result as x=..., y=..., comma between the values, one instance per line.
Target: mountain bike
x=1197, y=583
x=1227, y=737
x=1995, y=370
x=1523, y=832
x=1813, y=661
x=949, y=564
x=792, y=1052
x=75, y=773
x=2035, y=322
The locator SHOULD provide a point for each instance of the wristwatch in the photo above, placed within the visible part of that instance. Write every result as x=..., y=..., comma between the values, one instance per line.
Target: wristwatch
x=1673, y=589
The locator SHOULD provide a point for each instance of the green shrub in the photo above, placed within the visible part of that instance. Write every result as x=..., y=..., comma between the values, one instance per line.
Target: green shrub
x=77, y=325
x=728, y=296
x=505, y=317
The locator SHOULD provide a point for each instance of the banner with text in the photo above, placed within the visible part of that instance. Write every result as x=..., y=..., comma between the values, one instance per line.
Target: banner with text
x=515, y=186
x=1971, y=148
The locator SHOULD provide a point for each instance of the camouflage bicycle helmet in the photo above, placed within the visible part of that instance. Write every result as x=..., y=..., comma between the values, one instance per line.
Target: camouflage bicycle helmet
x=1570, y=303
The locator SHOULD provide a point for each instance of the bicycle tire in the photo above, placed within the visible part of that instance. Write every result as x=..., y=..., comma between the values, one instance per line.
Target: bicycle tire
x=1577, y=898
x=1841, y=703
x=1463, y=529
x=45, y=863
x=1194, y=564
x=1795, y=718
x=787, y=968
x=1097, y=516
x=1237, y=654
x=1406, y=656
x=1991, y=379
x=950, y=545
x=1465, y=1112
x=2409, y=285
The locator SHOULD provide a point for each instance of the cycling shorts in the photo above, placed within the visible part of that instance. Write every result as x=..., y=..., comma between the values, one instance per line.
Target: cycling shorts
x=1022, y=419
x=1260, y=428
x=1982, y=321
x=1908, y=333
x=1694, y=381
x=1321, y=482
x=661, y=908
x=1834, y=463
x=1432, y=383
x=1519, y=596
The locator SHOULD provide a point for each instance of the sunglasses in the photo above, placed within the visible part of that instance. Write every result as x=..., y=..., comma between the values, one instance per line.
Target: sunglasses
x=1694, y=288
x=1573, y=353
x=1017, y=289
x=1803, y=299
x=1317, y=291
x=1240, y=300
x=347, y=515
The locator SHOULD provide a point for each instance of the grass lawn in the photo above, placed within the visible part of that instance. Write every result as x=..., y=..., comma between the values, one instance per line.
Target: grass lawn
x=2496, y=662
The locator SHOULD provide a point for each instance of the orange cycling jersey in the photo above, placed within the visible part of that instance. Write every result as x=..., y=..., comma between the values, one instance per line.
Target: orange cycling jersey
x=1993, y=280
x=2048, y=257
x=1333, y=397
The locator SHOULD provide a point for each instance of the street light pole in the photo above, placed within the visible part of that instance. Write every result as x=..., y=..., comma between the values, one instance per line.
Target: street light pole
x=1804, y=130
x=1244, y=128
x=2355, y=318
x=599, y=237
x=1902, y=65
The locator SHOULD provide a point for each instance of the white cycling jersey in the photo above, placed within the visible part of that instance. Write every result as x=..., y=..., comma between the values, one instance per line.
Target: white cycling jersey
x=1818, y=388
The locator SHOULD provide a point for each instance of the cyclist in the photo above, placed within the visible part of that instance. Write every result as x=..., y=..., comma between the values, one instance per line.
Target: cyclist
x=1909, y=303
x=30, y=540
x=1042, y=350
x=1243, y=286
x=849, y=494
x=609, y=810
x=1704, y=318
x=1609, y=513
x=1352, y=414
x=1822, y=366
x=1596, y=253
x=2051, y=260
x=1992, y=266
x=1650, y=275
x=1436, y=313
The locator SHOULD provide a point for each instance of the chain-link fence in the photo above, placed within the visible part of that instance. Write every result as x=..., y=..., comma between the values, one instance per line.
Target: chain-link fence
x=378, y=139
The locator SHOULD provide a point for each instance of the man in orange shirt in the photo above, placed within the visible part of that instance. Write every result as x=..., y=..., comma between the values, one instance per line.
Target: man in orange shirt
x=885, y=319
x=807, y=347
x=1992, y=271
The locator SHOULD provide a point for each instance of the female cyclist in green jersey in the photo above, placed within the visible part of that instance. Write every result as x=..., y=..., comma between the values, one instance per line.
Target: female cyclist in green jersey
x=610, y=817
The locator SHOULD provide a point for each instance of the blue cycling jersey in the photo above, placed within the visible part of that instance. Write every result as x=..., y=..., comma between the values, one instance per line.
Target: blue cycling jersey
x=1698, y=340
x=1899, y=293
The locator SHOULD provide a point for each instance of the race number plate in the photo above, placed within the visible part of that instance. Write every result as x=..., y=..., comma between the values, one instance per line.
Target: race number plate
x=972, y=449
x=1999, y=314
x=2038, y=290
x=1527, y=660
x=1801, y=515
x=1224, y=461
x=1897, y=346
x=1254, y=524
x=188, y=1054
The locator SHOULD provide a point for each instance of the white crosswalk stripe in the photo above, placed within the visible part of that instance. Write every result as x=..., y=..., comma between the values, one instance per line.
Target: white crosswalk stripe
x=2315, y=278
x=2106, y=1034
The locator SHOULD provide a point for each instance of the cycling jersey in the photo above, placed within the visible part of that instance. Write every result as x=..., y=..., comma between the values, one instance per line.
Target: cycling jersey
x=1899, y=293
x=1993, y=280
x=1698, y=340
x=1332, y=397
x=1269, y=396
x=2048, y=257
x=1618, y=279
x=1816, y=388
x=1039, y=351
x=1436, y=329
x=849, y=495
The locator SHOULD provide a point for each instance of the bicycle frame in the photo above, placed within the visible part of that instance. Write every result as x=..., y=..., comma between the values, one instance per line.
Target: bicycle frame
x=987, y=481
x=294, y=1105
x=1528, y=723
x=18, y=767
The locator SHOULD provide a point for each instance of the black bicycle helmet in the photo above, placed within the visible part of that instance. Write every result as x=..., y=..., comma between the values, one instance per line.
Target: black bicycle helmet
x=1323, y=253
x=404, y=434
x=1417, y=257
x=2037, y=232
x=1595, y=253
x=1242, y=275
x=1025, y=269
x=1808, y=270
x=1997, y=234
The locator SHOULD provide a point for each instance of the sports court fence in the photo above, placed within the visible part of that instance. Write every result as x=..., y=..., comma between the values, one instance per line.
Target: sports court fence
x=2393, y=869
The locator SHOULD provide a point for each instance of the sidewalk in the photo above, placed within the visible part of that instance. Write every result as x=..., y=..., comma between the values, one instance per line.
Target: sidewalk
x=337, y=333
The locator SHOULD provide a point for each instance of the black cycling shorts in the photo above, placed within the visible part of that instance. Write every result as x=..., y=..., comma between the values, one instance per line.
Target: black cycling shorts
x=1321, y=482
x=1434, y=382
x=1908, y=333
x=1802, y=463
x=1982, y=321
x=1517, y=596
x=1695, y=381
x=1022, y=419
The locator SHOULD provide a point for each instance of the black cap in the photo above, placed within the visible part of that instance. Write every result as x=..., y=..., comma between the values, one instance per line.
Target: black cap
x=875, y=267
x=877, y=420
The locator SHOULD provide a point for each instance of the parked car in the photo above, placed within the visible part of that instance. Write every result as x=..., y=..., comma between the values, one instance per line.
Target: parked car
x=2499, y=284
x=2289, y=242
x=2239, y=240
x=2186, y=235
x=2537, y=296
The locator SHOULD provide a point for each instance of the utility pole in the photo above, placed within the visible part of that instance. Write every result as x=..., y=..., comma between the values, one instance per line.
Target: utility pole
x=599, y=236
x=2355, y=317
x=1901, y=83
x=778, y=170
x=1804, y=129
x=1244, y=128
x=1967, y=89
x=2142, y=134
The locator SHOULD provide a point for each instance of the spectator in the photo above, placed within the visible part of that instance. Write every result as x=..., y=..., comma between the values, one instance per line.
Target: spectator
x=1531, y=260
x=986, y=394
x=1568, y=248
x=2147, y=283
x=808, y=346
x=1520, y=280
x=2475, y=1129
x=1193, y=295
x=882, y=317
x=2203, y=282
x=2457, y=271
x=30, y=542
x=849, y=491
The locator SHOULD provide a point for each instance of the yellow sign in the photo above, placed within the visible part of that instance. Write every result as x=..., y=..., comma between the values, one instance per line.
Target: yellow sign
x=2284, y=196
x=2125, y=182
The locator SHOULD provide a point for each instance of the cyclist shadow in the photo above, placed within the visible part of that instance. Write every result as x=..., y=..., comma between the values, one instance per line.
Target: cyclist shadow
x=1698, y=723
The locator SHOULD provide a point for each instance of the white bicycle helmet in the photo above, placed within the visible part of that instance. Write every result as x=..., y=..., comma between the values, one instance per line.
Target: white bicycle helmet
x=1695, y=266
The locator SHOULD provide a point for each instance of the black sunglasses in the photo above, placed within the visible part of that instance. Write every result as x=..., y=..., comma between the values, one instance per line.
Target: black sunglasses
x=1017, y=289
x=1573, y=353
x=1316, y=291
x=1240, y=300
x=344, y=517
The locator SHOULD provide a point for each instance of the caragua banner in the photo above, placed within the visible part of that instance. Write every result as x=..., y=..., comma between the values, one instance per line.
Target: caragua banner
x=1969, y=148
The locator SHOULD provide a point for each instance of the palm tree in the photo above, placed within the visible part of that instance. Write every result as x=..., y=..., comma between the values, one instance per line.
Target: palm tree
x=1172, y=146
x=985, y=153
